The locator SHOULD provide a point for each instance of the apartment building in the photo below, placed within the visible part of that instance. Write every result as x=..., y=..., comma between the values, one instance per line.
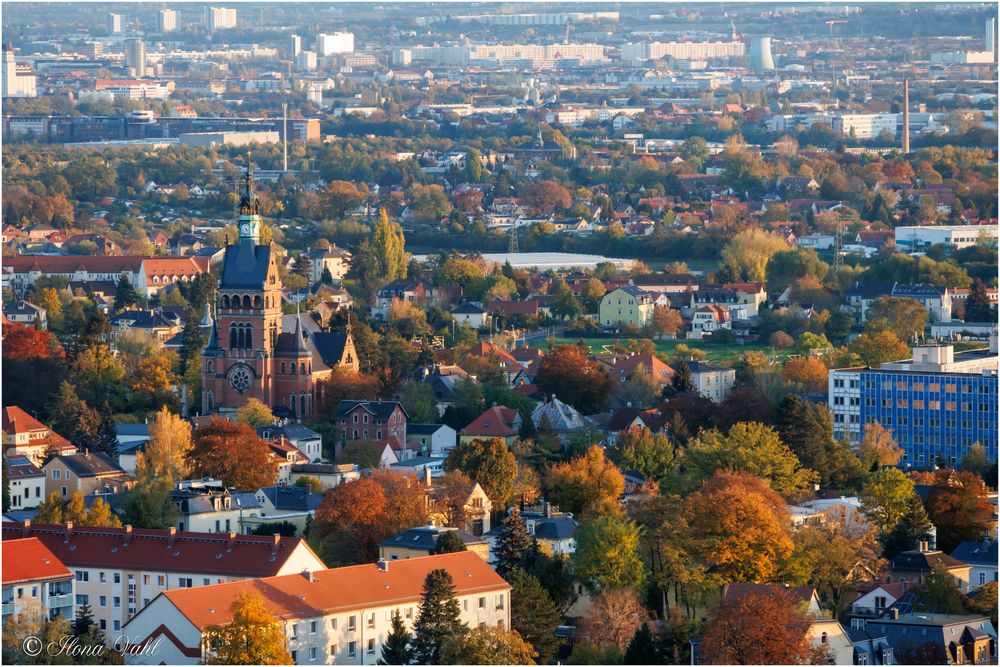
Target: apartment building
x=939, y=403
x=626, y=305
x=27, y=483
x=914, y=238
x=712, y=381
x=333, y=617
x=35, y=581
x=118, y=571
x=23, y=435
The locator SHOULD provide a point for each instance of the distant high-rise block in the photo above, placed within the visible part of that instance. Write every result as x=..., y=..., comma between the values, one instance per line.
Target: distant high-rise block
x=135, y=56
x=991, y=31
x=219, y=18
x=335, y=43
x=760, y=55
x=295, y=45
x=166, y=20
x=114, y=24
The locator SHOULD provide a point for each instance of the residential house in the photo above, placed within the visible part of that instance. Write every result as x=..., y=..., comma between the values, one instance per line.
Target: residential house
x=476, y=506
x=443, y=381
x=555, y=531
x=302, y=438
x=496, y=422
x=336, y=261
x=913, y=566
x=35, y=581
x=432, y=439
x=26, y=482
x=346, y=619
x=119, y=571
x=23, y=434
x=875, y=599
x=208, y=506
x=86, y=472
x=153, y=324
x=871, y=647
x=294, y=504
x=751, y=295
x=132, y=439
x=564, y=420
x=422, y=541
x=627, y=418
x=286, y=455
x=625, y=306
x=709, y=319
x=935, y=298
x=939, y=638
x=378, y=422
x=27, y=313
x=513, y=309
x=510, y=366
x=328, y=474
x=711, y=380
x=982, y=558
x=471, y=314
x=649, y=365
x=411, y=291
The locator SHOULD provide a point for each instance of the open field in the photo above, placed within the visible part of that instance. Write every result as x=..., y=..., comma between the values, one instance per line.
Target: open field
x=720, y=354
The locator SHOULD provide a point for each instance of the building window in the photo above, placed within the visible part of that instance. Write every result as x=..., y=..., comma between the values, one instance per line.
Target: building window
x=352, y=649
x=371, y=647
x=312, y=654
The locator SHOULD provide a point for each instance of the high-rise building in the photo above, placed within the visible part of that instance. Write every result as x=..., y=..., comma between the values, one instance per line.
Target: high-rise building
x=135, y=56
x=18, y=78
x=219, y=18
x=92, y=50
x=939, y=403
x=991, y=31
x=295, y=45
x=335, y=43
x=114, y=24
x=760, y=55
x=166, y=20
x=306, y=60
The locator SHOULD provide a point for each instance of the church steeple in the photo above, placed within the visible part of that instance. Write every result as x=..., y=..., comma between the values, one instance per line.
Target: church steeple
x=249, y=223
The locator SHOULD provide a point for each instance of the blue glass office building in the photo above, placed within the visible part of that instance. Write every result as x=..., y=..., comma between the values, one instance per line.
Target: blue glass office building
x=932, y=414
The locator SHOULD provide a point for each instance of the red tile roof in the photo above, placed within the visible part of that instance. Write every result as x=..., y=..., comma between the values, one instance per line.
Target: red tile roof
x=16, y=420
x=169, y=267
x=652, y=365
x=69, y=264
x=339, y=589
x=497, y=422
x=484, y=349
x=209, y=553
x=29, y=560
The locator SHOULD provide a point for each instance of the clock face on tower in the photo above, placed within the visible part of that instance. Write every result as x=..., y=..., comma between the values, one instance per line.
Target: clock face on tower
x=245, y=229
x=240, y=377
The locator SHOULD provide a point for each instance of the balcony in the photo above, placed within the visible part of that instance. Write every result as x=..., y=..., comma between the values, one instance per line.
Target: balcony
x=60, y=600
x=8, y=608
x=867, y=612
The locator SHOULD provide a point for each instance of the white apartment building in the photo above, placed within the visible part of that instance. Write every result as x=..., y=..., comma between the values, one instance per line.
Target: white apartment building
x=18, y=78
x=346, y=615
x=334, y=43
x=865, y=125
x=712, y=381
x=118, y=571
x=166, y=20
x=681, y=50
x=844, y=400
x=913, y=238
x=35, y=581
x=219, y=18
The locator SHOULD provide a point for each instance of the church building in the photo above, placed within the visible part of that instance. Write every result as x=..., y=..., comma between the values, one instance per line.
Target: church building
x=254, y=351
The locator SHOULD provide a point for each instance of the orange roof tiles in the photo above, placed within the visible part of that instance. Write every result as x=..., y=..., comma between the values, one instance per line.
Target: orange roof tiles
x=497, y=422
x=29, y=560
x=339, y=589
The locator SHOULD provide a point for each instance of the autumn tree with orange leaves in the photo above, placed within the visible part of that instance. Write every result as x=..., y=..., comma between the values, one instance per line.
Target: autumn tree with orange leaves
x=234, y=454
x=810, y=372
x=33, y=366
x=568, y=373
x=587, y=486
x=758, y=628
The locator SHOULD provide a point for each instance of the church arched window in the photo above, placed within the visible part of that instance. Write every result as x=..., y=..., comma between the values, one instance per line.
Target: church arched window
x=291, y=403
x=302, y=404
x=234, y=336
x=302, y=369
x=257, y=302
x=246, y=302
x=293, y=368
x=282, y=367
x=249, y=336
x=209, y=399
x=225, y=301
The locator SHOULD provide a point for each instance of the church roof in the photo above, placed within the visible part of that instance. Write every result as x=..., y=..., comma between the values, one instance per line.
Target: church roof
x=330, y=345
x=245, y=266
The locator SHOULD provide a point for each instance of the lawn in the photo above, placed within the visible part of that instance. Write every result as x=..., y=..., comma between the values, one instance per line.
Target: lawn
x=720, y=354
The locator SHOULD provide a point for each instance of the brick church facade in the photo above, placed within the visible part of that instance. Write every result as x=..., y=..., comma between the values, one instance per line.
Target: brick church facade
x=254, y=351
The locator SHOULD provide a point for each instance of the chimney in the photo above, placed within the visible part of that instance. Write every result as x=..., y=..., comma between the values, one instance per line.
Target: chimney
x=308, y=574
x=894, y=613
x=922, y=546
x=127, y=535
x=547, y=509
x=382, y=565
x=232, y=540
x=69, y=532
x=171, y=536
x=427, y=477
x=26, y=528
x=906, y=116
x=277, y=541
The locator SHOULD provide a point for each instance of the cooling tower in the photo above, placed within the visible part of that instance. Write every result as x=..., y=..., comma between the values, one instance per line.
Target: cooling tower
x=760, y=55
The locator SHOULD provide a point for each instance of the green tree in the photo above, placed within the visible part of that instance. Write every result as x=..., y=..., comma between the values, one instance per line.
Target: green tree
x=396, y=649
x=643, y=649
x=977, y=306
x=607, y=554
x=886, y=498
x=787, y=266
x=448, y=543
x=639, y=449
x=437, y=618
x=491, y=463
x=418, y=400
x=879, y=347
x=388, y=246
x=904, y=317
x=488, y=645
x=513, y=543
x=148, y=504
x=533, y=614
x=939, y=593
x=914, y=527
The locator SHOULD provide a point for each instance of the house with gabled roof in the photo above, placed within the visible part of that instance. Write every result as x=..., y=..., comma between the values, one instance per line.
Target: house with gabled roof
x=35, y=581
x=496, y=422
x=86, y=472
x=378, y=422
x=23, y=434
x=27, y=482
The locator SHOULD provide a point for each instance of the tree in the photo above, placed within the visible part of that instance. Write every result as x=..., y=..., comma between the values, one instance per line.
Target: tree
x=740, y=527
x=31, y=622
x=810, y=372
x=749, y=447
x=878, y=449
x=437, y=618
x=913, y=527
x=682, y=382
x=749, y=252
x=878, y=348
x=564, y=302
x=977, y=305
x=567, y=372
x=588, y=485
x=341, y=197
x=51, y=510
x=807, y=429
x=222, y=443
x=351, y=521
x=283, y=528
x=125, y=294
x=533, y=614
x=448, y=542
x=388, y=246
x=639, y=449
x=487, y=645
x=958, y=506
x=255, y=414
x=787, y=266
x=607, y=554
x=490, y=463
x=939, y=593
x=148, y=504
x=885, y=499
x=666, y=321
x=166, y=452
x=542, y=196
x=643, y=649
x=984, y=601
x=975, y=460
x=513, y=543
x=83, y=621
x=450, y=495
x=100, y=514
x=396, y=649
x=757, y=629
x=904, y=317
x=418, y=400
x=613, y=618
x=74, y=419
x=253, y=636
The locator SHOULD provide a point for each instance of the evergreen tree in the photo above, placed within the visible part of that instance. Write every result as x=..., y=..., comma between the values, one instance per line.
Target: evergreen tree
x=913, y=528
x=107, y=440
x=125, y=295
x=977, y=306
x=642, y=650
x=448, y=543
x=682, y=378
x=512, y=543
x=194, y=339
x=303, y=266
x=327, y=277
x=396, y=649
x=534, y=615
x=83, y=621
x=438, y=618
x=388, y=246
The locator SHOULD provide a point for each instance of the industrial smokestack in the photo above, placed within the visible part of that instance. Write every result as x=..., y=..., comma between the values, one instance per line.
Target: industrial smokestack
x=760, y=55
x=906, y=116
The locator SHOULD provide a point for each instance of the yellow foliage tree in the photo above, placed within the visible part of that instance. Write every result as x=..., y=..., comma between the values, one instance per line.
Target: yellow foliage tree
x=747, y=254
x=253, y=637
x=255, y=414
x=589, y=485
x=166, y=452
